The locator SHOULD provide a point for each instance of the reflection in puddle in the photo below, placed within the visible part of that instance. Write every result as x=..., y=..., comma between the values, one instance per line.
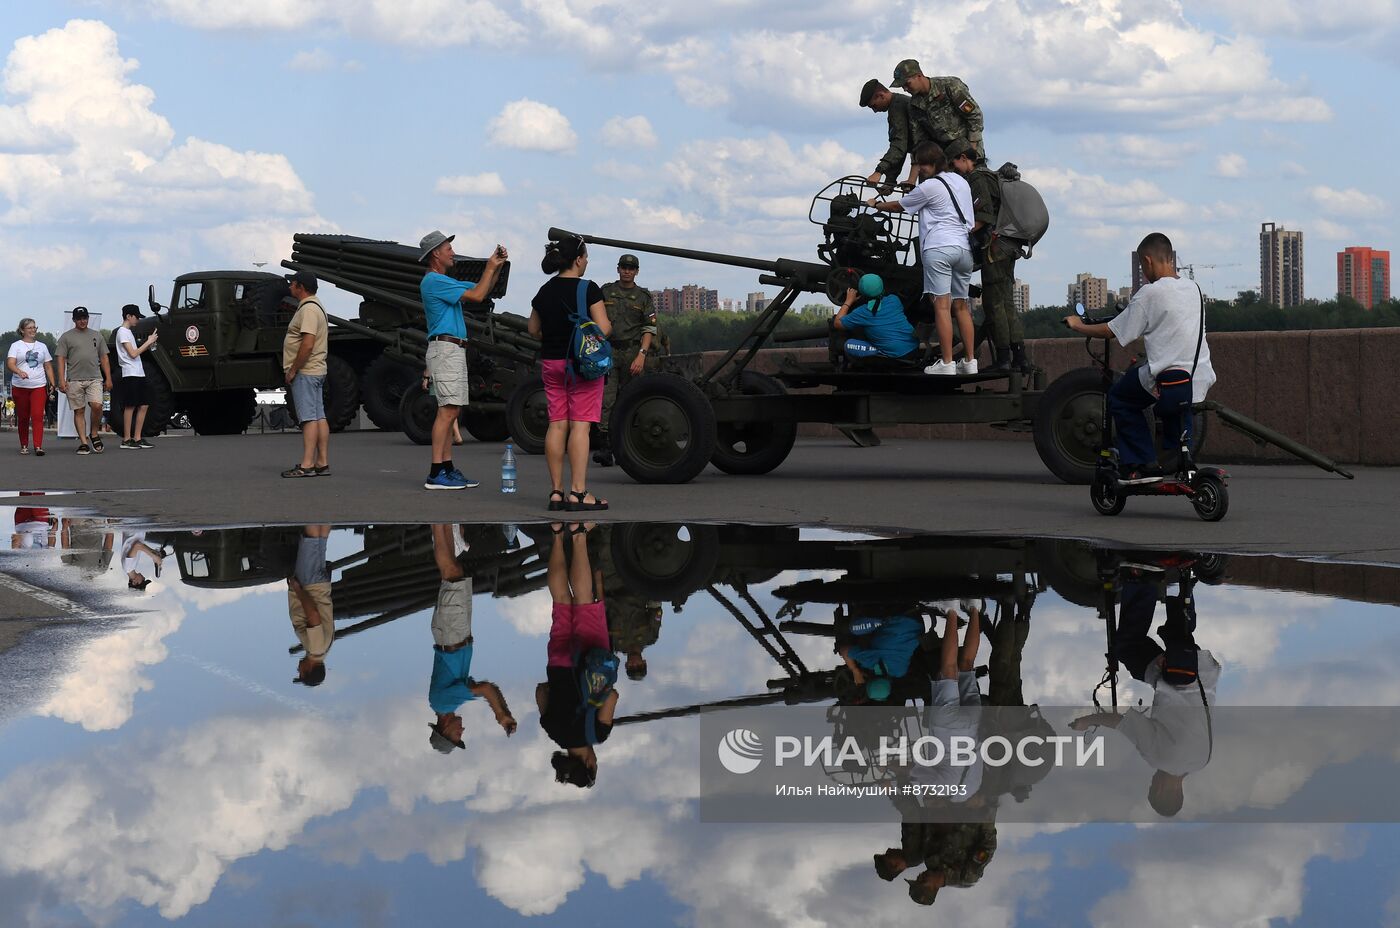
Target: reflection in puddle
x=456, y=686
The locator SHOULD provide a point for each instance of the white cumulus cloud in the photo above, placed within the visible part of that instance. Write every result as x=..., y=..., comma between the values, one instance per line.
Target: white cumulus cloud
x=532, y=126
x=1231, y=164
x=630, y=132
x=472, y=185
x=1350, y=203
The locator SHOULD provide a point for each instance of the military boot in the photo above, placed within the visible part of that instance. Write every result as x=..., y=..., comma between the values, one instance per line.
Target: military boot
x=1019, y=361
x=603, y=457
x=1001, y=360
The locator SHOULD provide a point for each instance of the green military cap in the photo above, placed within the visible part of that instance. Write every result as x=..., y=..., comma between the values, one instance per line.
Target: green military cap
x=959, y=147
x=905, y=70
x=629, y=261
x=868, y=92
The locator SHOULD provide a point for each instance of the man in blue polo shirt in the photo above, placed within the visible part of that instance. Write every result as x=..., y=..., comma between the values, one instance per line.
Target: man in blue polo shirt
x=443, y=299
x=452, y=684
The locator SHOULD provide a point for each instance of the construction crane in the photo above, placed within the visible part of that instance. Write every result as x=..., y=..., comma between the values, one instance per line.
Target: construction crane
x=1190, y=269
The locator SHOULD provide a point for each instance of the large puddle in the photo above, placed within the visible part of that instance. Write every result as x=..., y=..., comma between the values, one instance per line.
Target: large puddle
x=160, y=765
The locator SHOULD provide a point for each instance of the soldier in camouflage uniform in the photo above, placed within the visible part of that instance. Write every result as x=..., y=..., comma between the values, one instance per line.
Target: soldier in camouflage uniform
x=998, y=258
x=634, y=624
x=941, y=109
x=633, y=317
x=953, y=854
x=879, y=99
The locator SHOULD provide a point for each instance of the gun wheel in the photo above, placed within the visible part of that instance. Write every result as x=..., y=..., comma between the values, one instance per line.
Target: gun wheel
x=754, y=447
x=663, y=429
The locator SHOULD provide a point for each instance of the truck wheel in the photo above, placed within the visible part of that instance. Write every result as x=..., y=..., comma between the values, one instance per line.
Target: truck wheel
x=1068, y=423
x=663, y=429
x=664, y=561
x=382, y=389
x=341, y=393
x=162, y=411
x=417, y=410
x=527, y=415
x=222, y=412
x=484, y=425
x=754, y=447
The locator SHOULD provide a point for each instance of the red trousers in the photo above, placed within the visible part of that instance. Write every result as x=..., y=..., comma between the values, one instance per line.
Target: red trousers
x=29, y=407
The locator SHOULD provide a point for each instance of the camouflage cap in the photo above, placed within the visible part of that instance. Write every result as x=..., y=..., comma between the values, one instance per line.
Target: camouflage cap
x=629, y=261
x=959, y=147
x=868, y=92
x=905, y=70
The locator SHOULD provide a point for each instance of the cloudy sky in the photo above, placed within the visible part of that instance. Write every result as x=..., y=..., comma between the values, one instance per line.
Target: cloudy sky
x=140, y=140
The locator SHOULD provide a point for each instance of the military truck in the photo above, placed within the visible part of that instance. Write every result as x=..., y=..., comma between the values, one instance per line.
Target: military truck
x=221, y=340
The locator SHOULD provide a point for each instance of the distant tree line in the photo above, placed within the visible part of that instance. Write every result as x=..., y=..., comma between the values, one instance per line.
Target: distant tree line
x=1248, y=314
x=710, y=331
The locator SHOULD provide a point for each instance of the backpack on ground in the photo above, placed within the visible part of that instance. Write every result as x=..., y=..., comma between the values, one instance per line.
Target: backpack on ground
x=1023, y=217
x=588, y=349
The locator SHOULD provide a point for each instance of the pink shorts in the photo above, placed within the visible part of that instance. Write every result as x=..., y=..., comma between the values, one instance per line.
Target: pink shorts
x=575, y=630
x=571, y=397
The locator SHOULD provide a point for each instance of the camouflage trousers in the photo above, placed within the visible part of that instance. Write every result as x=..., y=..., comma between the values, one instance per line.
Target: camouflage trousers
x=998, y=302
x=620, y=376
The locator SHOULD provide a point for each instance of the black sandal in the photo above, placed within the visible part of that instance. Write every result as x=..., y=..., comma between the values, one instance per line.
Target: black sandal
x=578, y=505
x=557, y=505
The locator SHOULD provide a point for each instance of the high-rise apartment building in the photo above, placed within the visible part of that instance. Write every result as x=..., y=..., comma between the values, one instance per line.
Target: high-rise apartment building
x=695, y=298
x=1021, y=296
x=757, y=302
x=1363, y=274
x=1280, y=266
x=668, y=301
x=1090, y=290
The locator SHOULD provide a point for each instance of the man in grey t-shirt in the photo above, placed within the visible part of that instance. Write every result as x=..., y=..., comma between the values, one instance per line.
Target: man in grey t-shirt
x=82, y=360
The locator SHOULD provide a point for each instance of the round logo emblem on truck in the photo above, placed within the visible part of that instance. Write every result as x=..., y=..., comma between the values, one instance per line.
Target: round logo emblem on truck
x=192, y=334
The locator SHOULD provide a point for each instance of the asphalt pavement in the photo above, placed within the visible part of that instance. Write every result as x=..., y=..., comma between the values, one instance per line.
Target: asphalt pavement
x=975, y=487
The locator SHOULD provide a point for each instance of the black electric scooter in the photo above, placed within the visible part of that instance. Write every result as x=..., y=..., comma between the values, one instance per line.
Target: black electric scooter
x=1205, y=487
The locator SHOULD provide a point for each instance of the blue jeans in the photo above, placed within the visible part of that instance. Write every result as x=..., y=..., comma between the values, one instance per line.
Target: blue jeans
x=1132, y=430
x=306, y=396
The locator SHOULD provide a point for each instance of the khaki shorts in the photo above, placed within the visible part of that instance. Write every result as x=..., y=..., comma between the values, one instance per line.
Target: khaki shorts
x=452, y=615
x=447, y=367
x=84, y=392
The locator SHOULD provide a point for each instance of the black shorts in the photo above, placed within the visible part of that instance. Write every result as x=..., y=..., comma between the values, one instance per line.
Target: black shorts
x=134, y=392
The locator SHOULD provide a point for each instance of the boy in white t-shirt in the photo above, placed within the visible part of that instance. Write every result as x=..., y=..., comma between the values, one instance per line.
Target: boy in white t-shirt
x=1168, y=315
x=135, y=396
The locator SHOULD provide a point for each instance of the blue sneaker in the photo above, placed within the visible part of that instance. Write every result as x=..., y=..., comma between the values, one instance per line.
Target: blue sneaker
x=467, y=482
x=445, y=481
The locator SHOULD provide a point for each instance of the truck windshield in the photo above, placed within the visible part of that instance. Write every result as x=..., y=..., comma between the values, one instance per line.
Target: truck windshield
x=190, y=296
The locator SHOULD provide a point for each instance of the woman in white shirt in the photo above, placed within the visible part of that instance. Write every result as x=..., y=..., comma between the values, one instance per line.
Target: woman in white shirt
x=943, y=203
x=31, y=372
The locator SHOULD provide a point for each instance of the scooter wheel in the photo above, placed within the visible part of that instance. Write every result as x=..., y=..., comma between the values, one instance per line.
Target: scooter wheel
x=1212, y=499
x=1107, y=497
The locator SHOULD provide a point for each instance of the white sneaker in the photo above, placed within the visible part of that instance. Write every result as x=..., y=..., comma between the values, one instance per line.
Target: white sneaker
x=941, y=368
x=967, y=367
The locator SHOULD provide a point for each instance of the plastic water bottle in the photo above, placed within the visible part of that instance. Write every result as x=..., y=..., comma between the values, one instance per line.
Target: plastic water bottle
x=508, y=470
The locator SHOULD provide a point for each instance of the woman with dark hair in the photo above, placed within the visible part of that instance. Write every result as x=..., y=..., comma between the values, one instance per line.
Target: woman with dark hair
x=577, y=699
x=575, y=404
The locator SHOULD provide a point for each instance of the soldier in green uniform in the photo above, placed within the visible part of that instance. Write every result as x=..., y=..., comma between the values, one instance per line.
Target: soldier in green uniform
x=880, y=99
x=634, y=623
x=940, y=109
x=953, y=854
x=633, y=317
x=998, y=259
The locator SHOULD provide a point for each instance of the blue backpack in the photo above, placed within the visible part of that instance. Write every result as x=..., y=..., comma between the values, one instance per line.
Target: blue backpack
x=589, y=350
x=596, y=677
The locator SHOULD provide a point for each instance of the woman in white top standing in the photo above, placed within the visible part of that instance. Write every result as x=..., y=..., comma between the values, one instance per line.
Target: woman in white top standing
x=136, y=398
x=31, y=373
x=943, y=203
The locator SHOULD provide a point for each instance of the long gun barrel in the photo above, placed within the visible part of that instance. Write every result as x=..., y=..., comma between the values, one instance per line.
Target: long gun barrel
x=808, y=276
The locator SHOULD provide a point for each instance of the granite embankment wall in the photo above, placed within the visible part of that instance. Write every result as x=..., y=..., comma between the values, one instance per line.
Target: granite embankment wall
x=1337, y=391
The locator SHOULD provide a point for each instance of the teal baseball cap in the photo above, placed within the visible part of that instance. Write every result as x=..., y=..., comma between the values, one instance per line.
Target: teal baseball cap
x=871, y=286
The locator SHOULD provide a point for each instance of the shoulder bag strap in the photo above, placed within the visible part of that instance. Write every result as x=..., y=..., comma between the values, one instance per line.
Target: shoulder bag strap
x=1201, y=334
x=952, y=197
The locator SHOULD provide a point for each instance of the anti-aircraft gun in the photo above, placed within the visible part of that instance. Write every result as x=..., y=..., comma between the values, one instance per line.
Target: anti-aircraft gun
x=668, y=426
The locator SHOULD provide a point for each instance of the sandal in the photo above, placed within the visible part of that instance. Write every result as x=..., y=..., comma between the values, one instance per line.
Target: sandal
x=557, y=505
x=577, y=504
x=322, y=471
x=300, y=471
